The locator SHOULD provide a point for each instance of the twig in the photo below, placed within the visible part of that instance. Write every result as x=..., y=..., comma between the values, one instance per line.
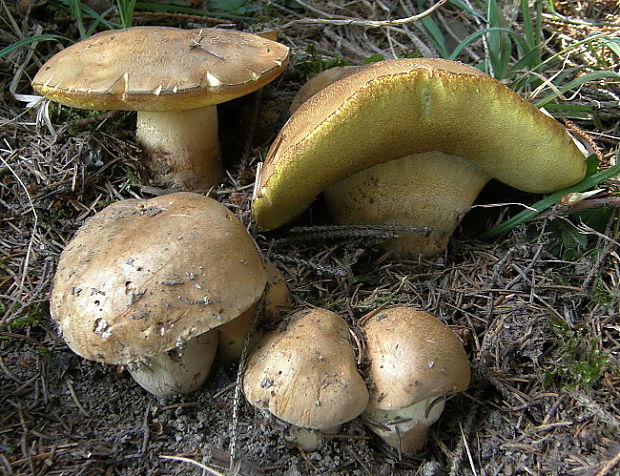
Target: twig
x=350, y=21
x=385, y=232
x=610, y=465
x=191, y=461
x=26, y=261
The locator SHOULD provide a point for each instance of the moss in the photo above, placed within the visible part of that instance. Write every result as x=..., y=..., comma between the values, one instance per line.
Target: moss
x=579, y=360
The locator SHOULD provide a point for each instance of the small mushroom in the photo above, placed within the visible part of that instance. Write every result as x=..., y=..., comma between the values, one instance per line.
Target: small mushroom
x=307, y=375
x=415, y=362
x=173, y=78
x=411, y=142
x=142, y=282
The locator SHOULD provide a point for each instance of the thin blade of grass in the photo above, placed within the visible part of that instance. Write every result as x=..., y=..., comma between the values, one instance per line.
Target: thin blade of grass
x=499, y=42
x=533, y=34
x=463, y=6
x=33, y=39
x=575, y=83
x=477, y=34
x=171, y=8
x=428, y=26
x=125, y=11
x=551, y=200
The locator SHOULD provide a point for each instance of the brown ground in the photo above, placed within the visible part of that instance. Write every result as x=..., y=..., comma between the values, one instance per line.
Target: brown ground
x=539, y=323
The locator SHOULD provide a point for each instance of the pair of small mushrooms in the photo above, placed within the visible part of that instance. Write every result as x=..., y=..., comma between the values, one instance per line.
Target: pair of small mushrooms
x=409, y=142
x=307, y=374
x=158, y=285
x=174, y=78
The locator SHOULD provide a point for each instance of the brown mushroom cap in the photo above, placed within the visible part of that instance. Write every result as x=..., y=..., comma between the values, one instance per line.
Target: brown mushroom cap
x=144, y=276
x=160, y=69
x=320, y=81
x=307, y=375
x=396, y=108
x=413, y=356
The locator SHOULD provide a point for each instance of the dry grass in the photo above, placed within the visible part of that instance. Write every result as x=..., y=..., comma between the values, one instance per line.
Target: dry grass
x=541, y=329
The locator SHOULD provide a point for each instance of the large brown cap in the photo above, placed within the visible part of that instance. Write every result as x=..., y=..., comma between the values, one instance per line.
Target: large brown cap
x=413, y=356
x=307, y=374
x=396, y=108
x=144, y=276
x=160, y=69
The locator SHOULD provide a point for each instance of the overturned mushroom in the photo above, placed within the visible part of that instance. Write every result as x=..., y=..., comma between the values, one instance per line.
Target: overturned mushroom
x=411, y=142
x=415, y=362
x=143, y=281
x=306, y=374
x=174, y=78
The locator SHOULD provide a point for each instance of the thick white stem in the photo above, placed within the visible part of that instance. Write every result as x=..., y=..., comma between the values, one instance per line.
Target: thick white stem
x=182, y=147
x=175, y=371
x=406, y=428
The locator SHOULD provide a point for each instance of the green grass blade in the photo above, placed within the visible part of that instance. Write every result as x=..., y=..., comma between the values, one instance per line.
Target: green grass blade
x=428, y=26
x=477, y=34
x=575, y=83
x=466, y=8
x=499, y=42
x=99, y=19
x=533, y=34
x=551, y=200
x=172, y=8
x=125, y=11
x=26, y=41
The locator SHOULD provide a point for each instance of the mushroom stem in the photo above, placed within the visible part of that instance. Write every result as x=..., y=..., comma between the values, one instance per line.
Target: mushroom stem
x=178, y=371
x=404, y=428
x=307, y=438
x=431, y=189
x=182, y=147
x=232, y=335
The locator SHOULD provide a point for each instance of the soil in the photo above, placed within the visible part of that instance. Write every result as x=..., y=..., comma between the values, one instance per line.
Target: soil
x=538, y=317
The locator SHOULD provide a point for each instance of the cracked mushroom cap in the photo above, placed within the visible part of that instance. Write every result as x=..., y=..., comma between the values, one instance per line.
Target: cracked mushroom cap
x=393, y=109
x=413, y=356
x=306, y=374
x=142, y=277
x=160, y=69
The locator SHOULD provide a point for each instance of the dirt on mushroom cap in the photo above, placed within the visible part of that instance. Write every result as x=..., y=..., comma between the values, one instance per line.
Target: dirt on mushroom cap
x=144, y=276
x=413, y=356
x=307, y=374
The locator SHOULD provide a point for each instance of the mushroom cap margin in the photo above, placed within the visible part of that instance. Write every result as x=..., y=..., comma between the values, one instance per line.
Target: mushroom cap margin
x=160, y=69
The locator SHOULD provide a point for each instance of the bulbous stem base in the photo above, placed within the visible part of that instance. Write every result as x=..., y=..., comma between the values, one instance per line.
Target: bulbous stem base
x=431, y=189
x=175, y=371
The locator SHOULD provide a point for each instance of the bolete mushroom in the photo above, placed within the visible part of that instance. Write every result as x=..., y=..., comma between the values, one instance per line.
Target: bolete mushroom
x=173, y=78
x=306, y=374
x=415, y=362
x=411, y=142
x=142, y=282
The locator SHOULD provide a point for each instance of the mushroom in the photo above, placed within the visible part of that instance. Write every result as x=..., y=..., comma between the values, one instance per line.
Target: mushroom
x=307, y=375
x=173, y=78
x=415, y=362
x=411, y=142
x=142, y=282
x=320, y=81
x=276, y=300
